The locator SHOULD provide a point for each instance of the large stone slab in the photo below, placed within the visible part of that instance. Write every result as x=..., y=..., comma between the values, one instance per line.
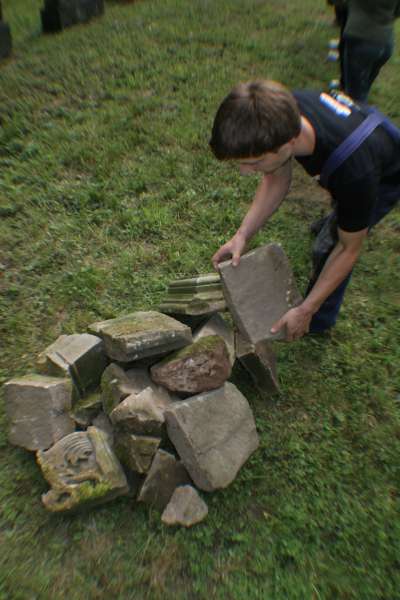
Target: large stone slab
x=59, y=14
x=82, y=471
x=259, y=291
x=136, y=451
x=37, y=409
x=141, y=334
x=80, y=356
x=260, y=361
x=5, y=40
x=200, y=367
x=214, y=434
x=140, y=414
x=185, y=508
x=216, y=325
x=165, y=475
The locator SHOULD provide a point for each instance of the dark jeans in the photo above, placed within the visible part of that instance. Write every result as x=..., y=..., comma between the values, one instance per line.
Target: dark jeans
x=360, y=63
x=326, y=240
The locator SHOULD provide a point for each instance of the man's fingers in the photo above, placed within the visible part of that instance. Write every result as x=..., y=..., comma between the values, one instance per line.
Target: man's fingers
x=235, y=259
x=277, y=326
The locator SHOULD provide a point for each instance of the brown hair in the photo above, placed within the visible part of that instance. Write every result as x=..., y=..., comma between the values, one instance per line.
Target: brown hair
x=254, y=118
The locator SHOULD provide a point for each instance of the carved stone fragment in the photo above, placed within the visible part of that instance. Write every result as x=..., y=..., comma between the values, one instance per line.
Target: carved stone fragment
x=82, y=471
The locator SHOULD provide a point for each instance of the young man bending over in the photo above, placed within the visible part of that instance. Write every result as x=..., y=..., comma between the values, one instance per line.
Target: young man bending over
x=262, y=126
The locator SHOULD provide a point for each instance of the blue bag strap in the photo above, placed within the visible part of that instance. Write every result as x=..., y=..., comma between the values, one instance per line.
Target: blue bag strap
x=390, y=127
x=350, y=144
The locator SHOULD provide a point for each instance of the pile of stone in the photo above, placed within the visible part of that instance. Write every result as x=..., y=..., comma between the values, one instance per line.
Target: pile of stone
x=5, y=37
x=59, y=14
x=142, y=405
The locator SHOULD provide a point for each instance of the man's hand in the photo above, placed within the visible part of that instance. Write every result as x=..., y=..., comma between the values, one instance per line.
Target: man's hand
x=297, y=322
x=233, y=248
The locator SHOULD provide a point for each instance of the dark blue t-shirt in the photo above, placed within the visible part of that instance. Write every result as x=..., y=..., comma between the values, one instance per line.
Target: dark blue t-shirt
x=354, y=185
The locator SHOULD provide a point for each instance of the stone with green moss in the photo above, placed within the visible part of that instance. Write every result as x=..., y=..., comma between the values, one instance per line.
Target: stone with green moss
x=141, y=334
x=200, y=367
x=82, y=471
x=136, y=451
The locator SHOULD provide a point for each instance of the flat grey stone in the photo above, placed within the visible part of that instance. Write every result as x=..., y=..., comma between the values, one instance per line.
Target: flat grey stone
x=141, y=334
x=197, y=296
x=259, y=291
x=260, y=361
x=214, y=434
x=216, y=325
x=80, y=356
x=135, y=451
x=199, y=367
x=37, y=408
x=185, y=508
x=82, y=471
x=165, y=474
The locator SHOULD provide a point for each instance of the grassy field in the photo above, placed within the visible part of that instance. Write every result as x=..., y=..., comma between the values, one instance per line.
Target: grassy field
x=107, y=192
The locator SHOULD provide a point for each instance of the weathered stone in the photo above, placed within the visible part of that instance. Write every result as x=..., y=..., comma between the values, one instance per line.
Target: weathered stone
x=139, y=414
x=214, y=434
x=114, y=387
x=200, y=367
x=86, y=409
x=259, y=291
x=5, y=40
x=82, y=471
x=260, y=361
x=141, y=334
x=217, y=325
x=80, y=356
x=102, y=422
x=59, y=14
x=37, y=408
x=185, y=508
x=136, y=451
x=200, y=295
x=165, y=474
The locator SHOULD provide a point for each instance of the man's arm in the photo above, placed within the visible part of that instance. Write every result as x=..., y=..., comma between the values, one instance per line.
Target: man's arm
x=339, y=264
x=272, y=189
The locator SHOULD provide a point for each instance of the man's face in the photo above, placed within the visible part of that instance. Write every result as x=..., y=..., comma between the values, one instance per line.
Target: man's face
x=266, y=163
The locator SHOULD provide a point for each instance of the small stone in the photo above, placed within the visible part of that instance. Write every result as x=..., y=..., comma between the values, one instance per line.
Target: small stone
x=185, y=508
x=80, y=356
x=37, y=409
x=216, y=325
x=82, y=471
x=214, y=434
x=260, y=361
x=259, y=291
x=136, y=451
x=165, y=474
x=202, y=366
x=141, y=334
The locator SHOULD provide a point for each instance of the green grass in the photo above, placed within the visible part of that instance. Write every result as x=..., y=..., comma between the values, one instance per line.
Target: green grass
x=107, y=192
